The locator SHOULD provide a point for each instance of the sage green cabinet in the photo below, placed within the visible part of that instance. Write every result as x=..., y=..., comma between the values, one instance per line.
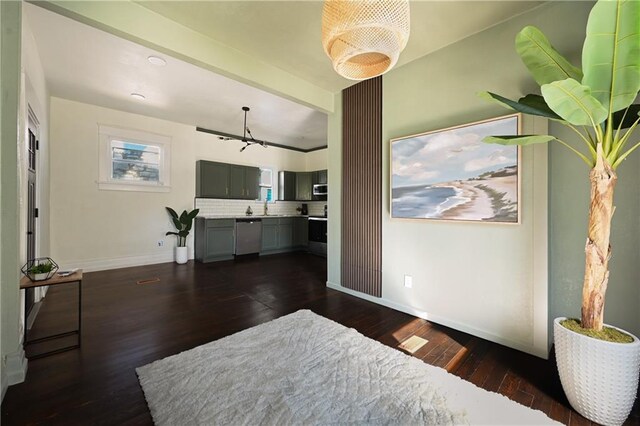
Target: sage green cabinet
x=212, y=179
x=214, y=239
x=300, y=232
x=320, y=177
x=304, y=186
x=269, y=234
x=221, y=180
x=286, y=186
x=285, y=233
x=252, y=182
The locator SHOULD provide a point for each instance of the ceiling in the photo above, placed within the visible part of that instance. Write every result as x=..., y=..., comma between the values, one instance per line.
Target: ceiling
x=285, y=34
x=106, y=76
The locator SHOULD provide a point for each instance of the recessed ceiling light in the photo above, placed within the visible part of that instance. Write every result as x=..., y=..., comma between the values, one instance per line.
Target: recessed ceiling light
x=138, y=96
x=156, y=60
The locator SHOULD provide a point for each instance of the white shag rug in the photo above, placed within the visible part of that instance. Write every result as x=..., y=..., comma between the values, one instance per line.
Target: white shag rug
x=305, y=369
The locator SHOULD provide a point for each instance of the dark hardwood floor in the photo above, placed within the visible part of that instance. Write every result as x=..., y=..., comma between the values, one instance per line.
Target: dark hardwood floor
x=127, y=325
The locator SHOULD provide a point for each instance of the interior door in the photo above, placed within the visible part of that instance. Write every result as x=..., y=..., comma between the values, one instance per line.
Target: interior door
x=32, y=212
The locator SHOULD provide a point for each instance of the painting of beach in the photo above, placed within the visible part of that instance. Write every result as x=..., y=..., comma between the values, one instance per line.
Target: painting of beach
x=452, y=175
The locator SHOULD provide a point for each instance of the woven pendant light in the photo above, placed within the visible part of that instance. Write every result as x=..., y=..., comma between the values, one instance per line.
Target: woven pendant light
x=364, y=38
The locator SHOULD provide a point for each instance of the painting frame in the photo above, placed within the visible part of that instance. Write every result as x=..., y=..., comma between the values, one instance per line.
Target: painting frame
x=507, y=205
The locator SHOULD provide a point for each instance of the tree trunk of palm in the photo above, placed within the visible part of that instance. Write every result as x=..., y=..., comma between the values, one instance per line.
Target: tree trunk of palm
x=598, y=251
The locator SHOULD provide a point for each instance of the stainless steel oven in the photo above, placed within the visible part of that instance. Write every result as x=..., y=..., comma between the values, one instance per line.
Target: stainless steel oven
x=318, y=235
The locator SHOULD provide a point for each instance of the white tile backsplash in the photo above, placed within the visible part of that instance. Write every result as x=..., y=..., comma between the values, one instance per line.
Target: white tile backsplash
x=222, y=207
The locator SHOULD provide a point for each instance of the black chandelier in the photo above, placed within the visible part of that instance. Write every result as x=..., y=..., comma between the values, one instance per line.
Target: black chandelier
x=248, y=141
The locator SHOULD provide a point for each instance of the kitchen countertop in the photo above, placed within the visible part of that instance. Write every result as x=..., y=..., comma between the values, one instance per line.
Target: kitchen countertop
x=255, y=216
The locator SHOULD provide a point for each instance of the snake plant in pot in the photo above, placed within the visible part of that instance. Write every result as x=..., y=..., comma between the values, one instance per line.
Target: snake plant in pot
x=183, y=224
x=599, y=374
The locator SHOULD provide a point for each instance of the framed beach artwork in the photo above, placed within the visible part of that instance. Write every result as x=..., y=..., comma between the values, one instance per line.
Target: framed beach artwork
x=451, y=174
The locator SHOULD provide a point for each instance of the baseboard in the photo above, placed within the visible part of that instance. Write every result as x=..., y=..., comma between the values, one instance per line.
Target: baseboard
x=14, y=369
x=539, y=352
x=31, y=318
x=92, y=265
x=3, y=381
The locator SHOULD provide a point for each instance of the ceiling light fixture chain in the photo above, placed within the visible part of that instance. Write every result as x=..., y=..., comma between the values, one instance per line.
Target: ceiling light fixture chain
x=364, y=38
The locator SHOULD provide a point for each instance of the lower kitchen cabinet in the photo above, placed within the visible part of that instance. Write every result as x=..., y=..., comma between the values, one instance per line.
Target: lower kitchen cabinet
x=285, y=233
x=214, y=239
x=269, y=235
x=280, y=235
x=300, y=232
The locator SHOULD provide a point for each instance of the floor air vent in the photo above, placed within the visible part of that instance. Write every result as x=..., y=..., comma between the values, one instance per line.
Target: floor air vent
x=149, y=281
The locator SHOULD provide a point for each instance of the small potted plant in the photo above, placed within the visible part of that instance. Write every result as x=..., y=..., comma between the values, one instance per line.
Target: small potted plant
x=183, y=224
x=598, y=364
x=40, y=269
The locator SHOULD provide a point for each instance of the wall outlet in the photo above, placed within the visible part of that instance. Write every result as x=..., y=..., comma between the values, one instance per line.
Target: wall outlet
x=408, y=281
x=160, y=243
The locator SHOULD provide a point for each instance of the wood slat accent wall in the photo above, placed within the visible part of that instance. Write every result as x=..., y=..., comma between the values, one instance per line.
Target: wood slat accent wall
x=362, y=187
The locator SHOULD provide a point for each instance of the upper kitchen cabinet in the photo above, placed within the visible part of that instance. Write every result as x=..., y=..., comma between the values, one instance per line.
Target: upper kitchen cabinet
x=287, y=186
x=212, y=179
x=221, y=180
x=244, y=182
x=298, y=186
x=304, y=186
x=320, y=177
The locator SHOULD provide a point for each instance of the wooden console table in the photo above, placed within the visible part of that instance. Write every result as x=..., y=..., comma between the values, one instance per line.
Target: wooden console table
x=76, y=277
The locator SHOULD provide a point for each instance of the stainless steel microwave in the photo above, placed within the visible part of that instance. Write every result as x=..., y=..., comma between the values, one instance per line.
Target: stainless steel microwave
x=320, y=189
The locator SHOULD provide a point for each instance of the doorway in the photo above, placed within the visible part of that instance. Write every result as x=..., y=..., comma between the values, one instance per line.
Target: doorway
x=32, y=210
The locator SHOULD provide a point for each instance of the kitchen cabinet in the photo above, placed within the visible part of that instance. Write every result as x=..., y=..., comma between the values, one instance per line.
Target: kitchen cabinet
x=300, y=232
x=286, y=186
x=269, y=234
x=212, y=179
x=221, y=180
x=304, y=186
x=285, y=233
x=244, y=182
x=320, y=177
x=214, y=239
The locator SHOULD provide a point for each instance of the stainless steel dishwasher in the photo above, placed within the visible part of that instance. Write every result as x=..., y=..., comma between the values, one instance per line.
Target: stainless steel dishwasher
x=248, y=236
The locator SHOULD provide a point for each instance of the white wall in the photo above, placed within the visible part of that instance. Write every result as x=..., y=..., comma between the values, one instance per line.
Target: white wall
x=316, y=160
x=12, y=364
x=36, y=97
x=98, y=229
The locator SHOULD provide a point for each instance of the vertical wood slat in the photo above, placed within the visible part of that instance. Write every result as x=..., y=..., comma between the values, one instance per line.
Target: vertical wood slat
x=362, y=187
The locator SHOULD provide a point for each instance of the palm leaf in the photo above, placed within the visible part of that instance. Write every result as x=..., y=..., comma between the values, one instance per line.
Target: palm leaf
x=573, y=102
x=610, y=55
x=183, y=217
x=522, y=140
x=193, y=214
x=172, y=212
x=527, y=108
x=545, y=64
x=171, y=233
x=177, y=223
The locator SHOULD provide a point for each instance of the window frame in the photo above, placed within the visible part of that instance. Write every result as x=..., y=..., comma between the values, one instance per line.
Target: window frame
x=108, y=134
x=272, y=186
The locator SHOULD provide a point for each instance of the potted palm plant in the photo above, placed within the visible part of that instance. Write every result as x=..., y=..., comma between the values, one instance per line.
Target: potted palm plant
x=598, y=365
x=183, y=224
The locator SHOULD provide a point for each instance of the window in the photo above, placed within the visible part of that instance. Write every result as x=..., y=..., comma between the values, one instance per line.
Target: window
x=266, y=185
x=131, y=160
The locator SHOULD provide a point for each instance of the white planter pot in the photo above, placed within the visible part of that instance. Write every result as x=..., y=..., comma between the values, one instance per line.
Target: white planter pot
x=182, y=255
x=599, y=378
